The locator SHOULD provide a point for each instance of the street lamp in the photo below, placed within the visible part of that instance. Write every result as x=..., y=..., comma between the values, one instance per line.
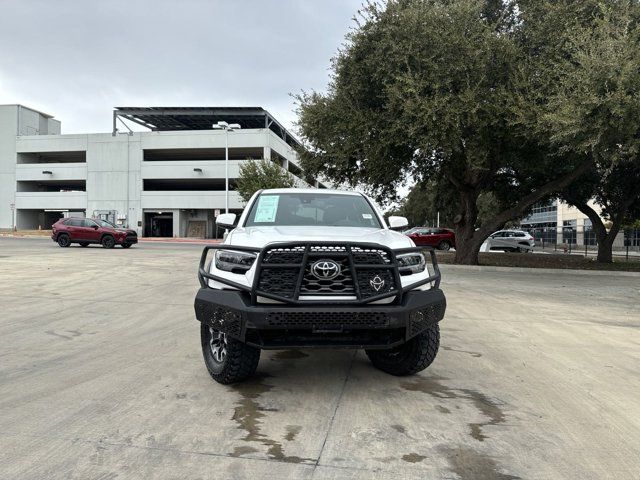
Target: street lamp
x=227, y=128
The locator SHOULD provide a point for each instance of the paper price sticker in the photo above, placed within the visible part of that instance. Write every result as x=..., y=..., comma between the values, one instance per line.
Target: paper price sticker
x=267, y=209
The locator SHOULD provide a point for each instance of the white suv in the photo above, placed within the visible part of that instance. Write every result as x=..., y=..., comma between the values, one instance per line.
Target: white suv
x=317, y=268
x=511, y=241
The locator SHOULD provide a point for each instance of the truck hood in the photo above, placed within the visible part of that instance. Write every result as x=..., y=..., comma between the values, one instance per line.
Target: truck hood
x=261, y=236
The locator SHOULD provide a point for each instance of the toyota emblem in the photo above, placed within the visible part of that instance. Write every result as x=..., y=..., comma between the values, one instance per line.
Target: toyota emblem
x=376, y=283
x=325, y=269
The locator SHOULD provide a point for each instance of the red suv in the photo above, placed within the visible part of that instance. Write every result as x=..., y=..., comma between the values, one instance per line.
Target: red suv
x=89, y=230
x=442, y=238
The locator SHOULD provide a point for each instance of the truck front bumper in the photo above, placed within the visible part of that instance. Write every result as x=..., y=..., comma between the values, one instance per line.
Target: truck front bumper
x=276, y=326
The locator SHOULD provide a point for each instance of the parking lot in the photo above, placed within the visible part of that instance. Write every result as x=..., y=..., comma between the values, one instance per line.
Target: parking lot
x=101, y=377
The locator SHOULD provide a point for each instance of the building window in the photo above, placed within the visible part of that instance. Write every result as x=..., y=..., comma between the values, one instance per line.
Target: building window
x=589, y=233
x=632, y=237
x=543, y=213
x=569, y=230
x=542, y=232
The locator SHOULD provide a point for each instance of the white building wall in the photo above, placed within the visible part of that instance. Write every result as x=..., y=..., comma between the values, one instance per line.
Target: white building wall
x=63, y=171
x=17, y=120
x=8, y=132
x=54, y=143
x=107, y=173
x=115, y=170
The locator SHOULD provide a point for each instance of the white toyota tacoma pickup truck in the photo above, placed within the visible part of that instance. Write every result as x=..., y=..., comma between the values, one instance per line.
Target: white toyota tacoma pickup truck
x=317, y=268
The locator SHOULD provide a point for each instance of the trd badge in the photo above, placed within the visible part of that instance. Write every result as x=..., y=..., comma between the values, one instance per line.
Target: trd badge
x=376, y=283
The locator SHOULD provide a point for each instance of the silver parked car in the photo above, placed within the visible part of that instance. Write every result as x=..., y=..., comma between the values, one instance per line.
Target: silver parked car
x=511, y=241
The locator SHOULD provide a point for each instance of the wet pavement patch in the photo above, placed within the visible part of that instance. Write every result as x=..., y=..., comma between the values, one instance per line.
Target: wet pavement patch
x=292, y=354
x=413, y=458
x=292, y=431
x=243, y=450
x=471, y=465
x=248, y=414
x=432, y=386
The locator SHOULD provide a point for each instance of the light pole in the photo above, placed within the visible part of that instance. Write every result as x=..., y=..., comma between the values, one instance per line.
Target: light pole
x=226, y=127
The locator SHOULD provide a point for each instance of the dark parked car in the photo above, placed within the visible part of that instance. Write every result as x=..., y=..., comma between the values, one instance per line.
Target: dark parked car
x=88, y=230
x=442, y=238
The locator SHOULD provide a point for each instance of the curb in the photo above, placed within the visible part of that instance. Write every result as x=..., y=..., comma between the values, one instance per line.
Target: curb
x=487, y=268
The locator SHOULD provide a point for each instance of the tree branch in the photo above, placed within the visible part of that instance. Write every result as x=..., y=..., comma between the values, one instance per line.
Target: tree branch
x=528, y=200
x=596, y=220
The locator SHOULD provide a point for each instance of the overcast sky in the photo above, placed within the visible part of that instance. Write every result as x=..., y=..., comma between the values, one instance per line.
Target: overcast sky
x=78, y=59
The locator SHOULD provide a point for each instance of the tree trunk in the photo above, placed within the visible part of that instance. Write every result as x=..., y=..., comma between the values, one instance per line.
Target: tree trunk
x=605, y=249
x=467, y=250
x=469, y=240
x=467, y=243
x=605, y=239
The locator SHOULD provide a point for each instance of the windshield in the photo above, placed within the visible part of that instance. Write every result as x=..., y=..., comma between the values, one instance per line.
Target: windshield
x=104, y=223
x=311, y=209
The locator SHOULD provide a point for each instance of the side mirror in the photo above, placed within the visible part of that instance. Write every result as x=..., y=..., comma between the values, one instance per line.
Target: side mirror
x=95, y=227
x=226, y=220
x=397, y=222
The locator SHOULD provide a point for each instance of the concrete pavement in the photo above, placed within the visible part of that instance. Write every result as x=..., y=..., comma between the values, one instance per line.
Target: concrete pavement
x=101, y=377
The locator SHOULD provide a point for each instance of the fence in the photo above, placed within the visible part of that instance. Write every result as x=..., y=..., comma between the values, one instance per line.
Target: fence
x=582, y=239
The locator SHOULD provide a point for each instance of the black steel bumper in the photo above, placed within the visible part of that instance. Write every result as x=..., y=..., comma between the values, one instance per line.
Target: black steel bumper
x=274, y=326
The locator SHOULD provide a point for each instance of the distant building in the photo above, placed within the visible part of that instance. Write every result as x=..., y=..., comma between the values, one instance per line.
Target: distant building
x=169, y=181
x=560, y=223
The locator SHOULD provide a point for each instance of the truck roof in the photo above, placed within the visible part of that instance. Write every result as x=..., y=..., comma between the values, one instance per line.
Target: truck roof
x=311, y=190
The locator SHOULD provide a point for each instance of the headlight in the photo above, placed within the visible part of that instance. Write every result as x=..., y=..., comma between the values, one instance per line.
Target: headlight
x=235, y=262
x=410, y=263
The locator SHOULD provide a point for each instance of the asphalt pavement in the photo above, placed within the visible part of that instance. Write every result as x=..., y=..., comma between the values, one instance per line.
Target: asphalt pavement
x=101, y=377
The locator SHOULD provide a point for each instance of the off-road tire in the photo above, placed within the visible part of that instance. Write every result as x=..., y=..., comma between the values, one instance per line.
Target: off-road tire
x=240, y=363
x=108, y=241
x=63, y=240
x=411, y=357
x=444, y=245
x=126, y=245
x=84, y=244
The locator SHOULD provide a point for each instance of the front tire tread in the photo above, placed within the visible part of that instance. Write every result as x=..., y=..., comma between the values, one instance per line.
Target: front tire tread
x=412, y=357
x=239, y=364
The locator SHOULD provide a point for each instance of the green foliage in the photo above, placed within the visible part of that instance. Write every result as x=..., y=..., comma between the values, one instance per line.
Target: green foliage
x=595, y=112
x=479, y=96
x=596, y=107
x=261, y=174
x=425, y=200
x=421, y=88
x=422, y=204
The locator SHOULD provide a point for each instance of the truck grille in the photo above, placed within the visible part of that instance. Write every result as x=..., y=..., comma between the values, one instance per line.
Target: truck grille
x=364, y=272
x=341, y=285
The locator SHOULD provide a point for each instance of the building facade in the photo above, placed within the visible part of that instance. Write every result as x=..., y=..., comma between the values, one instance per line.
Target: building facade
x=557, y=222
x=167, y=182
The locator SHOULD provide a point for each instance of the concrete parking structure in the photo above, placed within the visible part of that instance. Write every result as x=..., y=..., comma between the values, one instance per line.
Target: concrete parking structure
x=537, y=378
x=167, y=182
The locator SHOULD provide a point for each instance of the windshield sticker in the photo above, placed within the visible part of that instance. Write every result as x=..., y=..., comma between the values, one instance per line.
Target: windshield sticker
x=367, y=216
x=267, y=208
